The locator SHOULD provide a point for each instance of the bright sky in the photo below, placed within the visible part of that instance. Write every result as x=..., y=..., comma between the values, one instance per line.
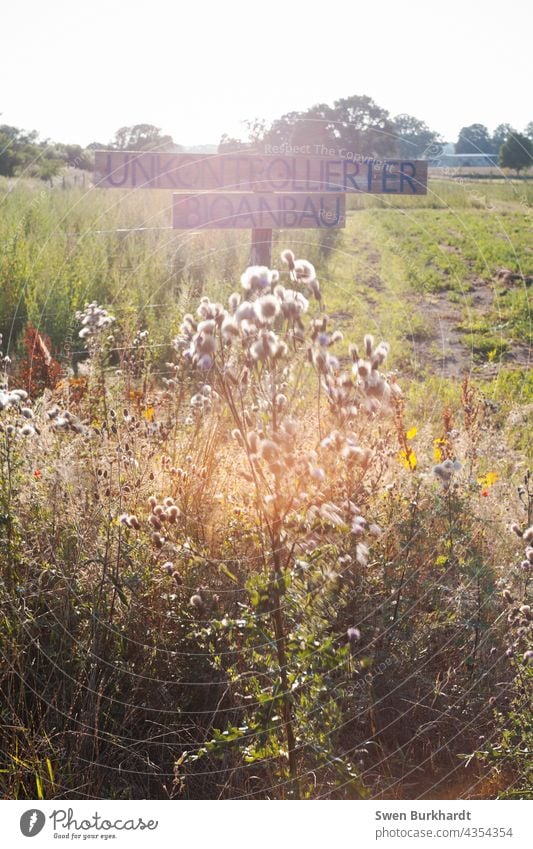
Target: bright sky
x=197, y=68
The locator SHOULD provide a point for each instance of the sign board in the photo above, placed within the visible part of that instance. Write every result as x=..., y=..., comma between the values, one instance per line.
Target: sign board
x=253, y=211
x=258, y=192
x=247, y=172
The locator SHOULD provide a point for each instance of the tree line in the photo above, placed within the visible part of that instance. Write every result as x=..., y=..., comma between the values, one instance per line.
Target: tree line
x=508, y=147
x=23, y=154
x=355, y=124
x=358, y=124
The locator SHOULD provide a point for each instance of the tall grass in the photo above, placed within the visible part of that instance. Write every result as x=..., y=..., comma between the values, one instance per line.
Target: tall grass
x=230, y=580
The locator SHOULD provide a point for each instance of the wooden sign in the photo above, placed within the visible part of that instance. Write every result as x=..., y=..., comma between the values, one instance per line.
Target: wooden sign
x=256, y=192
x=247, y=172
x=253, y=211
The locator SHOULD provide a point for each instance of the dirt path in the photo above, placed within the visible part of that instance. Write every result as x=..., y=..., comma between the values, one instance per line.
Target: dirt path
x=451, y=352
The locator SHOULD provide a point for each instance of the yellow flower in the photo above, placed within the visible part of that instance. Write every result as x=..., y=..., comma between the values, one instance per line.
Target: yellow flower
x=148, y=413
x=411, y=433
x=437, y=453
x=488, y=479
x=408, y=458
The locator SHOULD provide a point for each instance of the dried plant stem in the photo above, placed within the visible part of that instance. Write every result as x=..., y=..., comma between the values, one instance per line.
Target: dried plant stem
x=277, y=620
x=8, y=498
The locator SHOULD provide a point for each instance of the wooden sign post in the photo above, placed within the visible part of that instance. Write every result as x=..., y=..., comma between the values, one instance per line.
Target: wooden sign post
x=260, y=193
x=261, y=248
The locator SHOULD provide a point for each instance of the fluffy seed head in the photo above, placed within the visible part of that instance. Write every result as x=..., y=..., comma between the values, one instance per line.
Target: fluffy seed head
x=258, y=278
x=443, y=472
x=527, y=536
x=269, y=451
x=234, y=301
x=304, y=270
x=288, y=258
x=267, y=308
x=158, y=540
x=354, y=353
x=314, y=288
x=363, y=369
x=353, y=634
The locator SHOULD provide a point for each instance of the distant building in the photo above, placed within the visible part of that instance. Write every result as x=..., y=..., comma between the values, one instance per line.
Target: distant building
x=447, y=158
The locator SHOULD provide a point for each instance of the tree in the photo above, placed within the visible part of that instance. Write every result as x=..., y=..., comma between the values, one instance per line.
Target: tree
x=281, y=131
x=75, y=156
x=17, y=149
x=361, y=126
x=46, y=166
x=474, y=139
x=528, y=131
x=355, y=124
x=516, y=153
x=22, y=154
x=500, y=136
x=144, y=137
x=229, y=144
x=314, y=127
x=413, y=137
x=255, y=142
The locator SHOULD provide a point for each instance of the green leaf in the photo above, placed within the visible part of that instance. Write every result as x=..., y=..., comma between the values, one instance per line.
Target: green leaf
x=225, y=571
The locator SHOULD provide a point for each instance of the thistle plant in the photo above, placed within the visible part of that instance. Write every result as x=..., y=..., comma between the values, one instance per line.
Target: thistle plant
x=249, y=360
x=16, y=424
x=96, y=322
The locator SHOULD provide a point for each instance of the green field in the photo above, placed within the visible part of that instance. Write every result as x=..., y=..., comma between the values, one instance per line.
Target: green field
x=421, y=272
x=398, y=259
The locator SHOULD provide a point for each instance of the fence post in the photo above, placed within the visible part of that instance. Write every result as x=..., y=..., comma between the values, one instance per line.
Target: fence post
x=261, y=251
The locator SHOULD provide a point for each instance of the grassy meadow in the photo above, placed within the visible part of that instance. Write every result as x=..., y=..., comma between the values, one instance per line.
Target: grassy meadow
x=242, y=558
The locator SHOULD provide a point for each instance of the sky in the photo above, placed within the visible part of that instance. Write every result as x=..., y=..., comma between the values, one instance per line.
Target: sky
x=197, y=69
